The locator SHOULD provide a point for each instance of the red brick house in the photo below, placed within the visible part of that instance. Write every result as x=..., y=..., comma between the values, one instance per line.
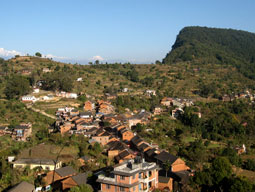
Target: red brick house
x=59, y=174
x=166, y=101
x=89, y=106
x=131, y=176
x=73, y=181
x=126, y=134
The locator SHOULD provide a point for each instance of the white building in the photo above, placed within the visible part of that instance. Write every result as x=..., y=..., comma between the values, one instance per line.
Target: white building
x=67, y=95
x=71, y=95
x=79, y=79
x=36, y=90
x=150, y=92
x=29, y=98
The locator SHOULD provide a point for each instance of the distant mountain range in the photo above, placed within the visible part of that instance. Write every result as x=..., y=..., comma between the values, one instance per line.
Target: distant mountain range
x=202, y=45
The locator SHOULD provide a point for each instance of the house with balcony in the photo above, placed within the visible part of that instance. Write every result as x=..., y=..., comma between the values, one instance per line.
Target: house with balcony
x=131, y=176
x=22, y=132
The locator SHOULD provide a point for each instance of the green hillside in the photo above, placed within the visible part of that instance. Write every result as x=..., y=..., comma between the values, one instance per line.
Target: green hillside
x=215, y=46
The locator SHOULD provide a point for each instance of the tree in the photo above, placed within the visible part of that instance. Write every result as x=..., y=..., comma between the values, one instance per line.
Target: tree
x=96, y=62
x=249, y=165
x=1, y=60
x=238, y=185
x=17, y=86
x=38, y=54
x=157, y=62
x=58, y=81
x=220, y=169
x=167, y=166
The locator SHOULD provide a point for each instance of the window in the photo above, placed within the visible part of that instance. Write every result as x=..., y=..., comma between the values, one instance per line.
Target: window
x=122, y=189
x=134, y=176
x=122, y=177
x=150, y=173
x=108, y=186
x=134, y=188
x=140, y=175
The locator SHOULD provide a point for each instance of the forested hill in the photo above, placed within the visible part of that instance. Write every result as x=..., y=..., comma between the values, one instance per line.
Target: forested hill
x=213, y=45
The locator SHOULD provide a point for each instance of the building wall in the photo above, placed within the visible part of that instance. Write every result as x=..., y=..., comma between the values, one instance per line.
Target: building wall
x=68, y=183
x=134, y=179
x=48, y=179
x=128, y=135
x=88, y=106
x=44, y=167
x=130, y=156
x=112, y=153
x=114, y=188
x=65, y=128
x=166, y=103
x=133, y=122
x=125, y=179
x=101, y=139
x=168, y=185
x=179, y=165
x=32, y=166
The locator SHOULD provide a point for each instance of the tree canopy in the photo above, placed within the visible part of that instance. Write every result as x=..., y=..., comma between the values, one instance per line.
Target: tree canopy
x=38, y=54
x=213, y=45
x=17, y=86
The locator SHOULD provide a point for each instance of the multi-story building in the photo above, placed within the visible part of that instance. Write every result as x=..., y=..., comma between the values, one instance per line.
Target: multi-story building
x=22, y=132
x=134, y=175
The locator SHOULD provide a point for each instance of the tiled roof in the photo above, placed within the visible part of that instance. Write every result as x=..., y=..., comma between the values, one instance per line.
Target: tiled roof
x=136, y=140
x=150, y=152
x=142, y=147
x=80, y=178
x=35, y=161
x=23, y=187
x=165, y=156
x=65, y=171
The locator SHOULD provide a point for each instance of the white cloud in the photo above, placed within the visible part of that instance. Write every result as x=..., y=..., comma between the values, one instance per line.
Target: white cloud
x=99, y=58
x=54, y=57
x=9, y=53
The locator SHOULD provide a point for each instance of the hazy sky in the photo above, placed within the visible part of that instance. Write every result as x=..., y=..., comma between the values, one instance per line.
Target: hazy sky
x=139, y=31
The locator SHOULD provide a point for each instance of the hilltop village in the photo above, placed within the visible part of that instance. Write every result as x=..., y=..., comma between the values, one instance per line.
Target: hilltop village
x=137, y=165
x=63, y=132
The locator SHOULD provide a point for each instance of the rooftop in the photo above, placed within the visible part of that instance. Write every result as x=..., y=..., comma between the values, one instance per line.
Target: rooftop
x=134, y=166
x=165, y=156
x=65, y=171
x=36, y=161
x=80, y=178
x=23, y=186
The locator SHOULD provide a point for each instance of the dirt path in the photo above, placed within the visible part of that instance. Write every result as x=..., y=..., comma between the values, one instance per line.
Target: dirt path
x=40, y=111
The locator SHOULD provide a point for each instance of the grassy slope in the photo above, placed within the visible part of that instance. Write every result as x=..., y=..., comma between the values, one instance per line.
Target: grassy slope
x=174, y=80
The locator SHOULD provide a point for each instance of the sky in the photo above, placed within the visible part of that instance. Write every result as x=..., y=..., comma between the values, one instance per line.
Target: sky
x=136, y=31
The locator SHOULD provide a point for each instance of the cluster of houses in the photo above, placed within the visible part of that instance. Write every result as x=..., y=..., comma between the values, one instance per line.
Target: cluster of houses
x=140, y=166
x=243, y=95
x=53, y=175
x=178, y=103
x=102, y=125
x=20, y=132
